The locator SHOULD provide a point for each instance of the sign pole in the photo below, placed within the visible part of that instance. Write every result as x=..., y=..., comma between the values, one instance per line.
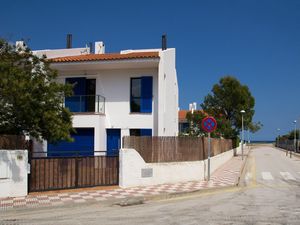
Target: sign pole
x=208, y=157
x=209, y=124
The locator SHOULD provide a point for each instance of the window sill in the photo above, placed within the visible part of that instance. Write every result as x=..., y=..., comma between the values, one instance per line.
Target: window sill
x=139, y=113
x=88, y=113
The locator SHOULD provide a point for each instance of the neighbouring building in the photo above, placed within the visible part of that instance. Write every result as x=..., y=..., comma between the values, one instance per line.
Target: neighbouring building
x=183, y=124
x=134, y=92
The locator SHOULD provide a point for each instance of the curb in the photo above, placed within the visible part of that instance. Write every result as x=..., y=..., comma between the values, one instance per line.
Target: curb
x=185, y=193
x=237, y=183
x=166, y=196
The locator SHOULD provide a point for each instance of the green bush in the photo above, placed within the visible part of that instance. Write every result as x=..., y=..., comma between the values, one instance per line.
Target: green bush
x=235, y=142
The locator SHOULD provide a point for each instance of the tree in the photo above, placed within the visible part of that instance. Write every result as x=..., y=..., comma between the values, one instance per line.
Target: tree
x=194, y=120
x=227, y=99
x=290, y=135
x=31, y=101
x=223, y=128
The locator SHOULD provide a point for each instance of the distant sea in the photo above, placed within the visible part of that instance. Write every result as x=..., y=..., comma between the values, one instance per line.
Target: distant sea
x=262, y=142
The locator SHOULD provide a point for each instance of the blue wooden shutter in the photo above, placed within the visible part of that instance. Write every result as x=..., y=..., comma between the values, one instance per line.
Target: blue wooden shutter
x=146, y=94
x=83, y=144
x=146, y=132
x=76, y=103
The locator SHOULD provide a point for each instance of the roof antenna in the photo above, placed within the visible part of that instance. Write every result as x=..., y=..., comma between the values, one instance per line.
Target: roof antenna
x=69, y=40
x=164, y=42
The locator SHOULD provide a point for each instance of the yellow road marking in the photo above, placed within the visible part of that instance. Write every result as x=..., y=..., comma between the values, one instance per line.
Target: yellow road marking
x=253, y=172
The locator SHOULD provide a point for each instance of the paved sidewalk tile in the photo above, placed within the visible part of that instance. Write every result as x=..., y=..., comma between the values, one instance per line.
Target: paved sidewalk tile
x=226, y=175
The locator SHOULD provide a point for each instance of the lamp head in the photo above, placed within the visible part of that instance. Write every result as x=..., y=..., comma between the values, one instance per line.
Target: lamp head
x=242, y=111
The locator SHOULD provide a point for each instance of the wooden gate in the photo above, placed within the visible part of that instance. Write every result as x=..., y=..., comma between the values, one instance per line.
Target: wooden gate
x=53, y=173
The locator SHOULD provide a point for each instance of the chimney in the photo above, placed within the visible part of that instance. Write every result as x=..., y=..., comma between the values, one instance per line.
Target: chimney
x=195, y=105
x=20, y=45
x=99, y=47
x=69, y=40
x=164, y=42
x=91, y=48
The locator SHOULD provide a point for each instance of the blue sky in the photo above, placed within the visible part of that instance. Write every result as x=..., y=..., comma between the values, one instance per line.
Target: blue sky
x=256, y=41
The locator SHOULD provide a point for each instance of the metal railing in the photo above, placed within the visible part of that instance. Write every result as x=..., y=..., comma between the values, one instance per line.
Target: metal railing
x=69, y=153
x=289, y=145
x=86, y=103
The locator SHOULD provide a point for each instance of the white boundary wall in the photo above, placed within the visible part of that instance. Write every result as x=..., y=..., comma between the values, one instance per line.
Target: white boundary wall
x=13, y=173
x=135, y=172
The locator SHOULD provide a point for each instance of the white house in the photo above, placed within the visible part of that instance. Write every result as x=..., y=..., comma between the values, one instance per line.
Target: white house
x=134, y=92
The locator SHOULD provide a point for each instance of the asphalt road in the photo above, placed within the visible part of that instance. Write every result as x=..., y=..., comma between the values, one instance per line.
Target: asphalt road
x=269, y=194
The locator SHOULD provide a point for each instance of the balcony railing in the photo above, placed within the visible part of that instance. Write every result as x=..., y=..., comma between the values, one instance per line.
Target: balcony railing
x=86, y=103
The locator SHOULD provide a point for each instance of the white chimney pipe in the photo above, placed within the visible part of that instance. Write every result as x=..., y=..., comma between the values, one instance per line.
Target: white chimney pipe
x=195, y=105
x=20, y=45
x=99, y=47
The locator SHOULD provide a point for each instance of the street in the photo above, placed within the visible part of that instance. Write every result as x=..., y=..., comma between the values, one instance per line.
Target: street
x=269, y=194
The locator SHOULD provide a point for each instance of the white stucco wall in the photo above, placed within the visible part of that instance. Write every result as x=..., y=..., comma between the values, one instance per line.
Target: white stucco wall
x=167, y=94
x=132, y=164
x=115, y=87
x=13, y=173
x=53, y=53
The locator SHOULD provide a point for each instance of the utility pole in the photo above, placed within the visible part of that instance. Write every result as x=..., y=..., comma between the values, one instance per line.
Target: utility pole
x=277, y=139
x=242, y=112
x=295, y=138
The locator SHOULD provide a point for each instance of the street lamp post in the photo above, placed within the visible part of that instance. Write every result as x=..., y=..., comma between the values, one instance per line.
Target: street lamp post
x=242, y=112
x=277, y=142
x=295, y=141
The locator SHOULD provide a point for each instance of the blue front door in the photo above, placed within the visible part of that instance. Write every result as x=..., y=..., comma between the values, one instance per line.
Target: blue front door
x=83, y=144
x=113, y=141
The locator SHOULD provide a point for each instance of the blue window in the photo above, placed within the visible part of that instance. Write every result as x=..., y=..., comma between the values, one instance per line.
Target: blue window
x=140, y=132
x=141, y=94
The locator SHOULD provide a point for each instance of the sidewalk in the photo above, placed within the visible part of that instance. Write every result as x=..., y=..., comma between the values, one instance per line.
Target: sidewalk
x=227, y=175
x=289, y=152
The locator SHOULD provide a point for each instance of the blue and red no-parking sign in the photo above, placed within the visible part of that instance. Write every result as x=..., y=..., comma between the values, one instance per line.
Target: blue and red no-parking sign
x=209, y=124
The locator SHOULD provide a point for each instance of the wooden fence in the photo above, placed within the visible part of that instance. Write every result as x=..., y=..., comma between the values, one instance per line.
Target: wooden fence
x=10, y=142
x=72, y=172
x=175, y=149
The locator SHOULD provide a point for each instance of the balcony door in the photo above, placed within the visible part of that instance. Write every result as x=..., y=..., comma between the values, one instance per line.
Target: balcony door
x=90, y=95
x=83, y=99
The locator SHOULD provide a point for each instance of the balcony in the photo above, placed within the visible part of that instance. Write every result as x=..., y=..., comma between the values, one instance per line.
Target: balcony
x=86, y=104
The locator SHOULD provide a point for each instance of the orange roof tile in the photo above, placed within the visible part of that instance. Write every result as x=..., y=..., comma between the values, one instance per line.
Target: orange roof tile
x=104, y=57
x=182, y=115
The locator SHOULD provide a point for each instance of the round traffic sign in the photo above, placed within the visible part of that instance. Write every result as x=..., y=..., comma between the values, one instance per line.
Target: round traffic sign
x=209, y=124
